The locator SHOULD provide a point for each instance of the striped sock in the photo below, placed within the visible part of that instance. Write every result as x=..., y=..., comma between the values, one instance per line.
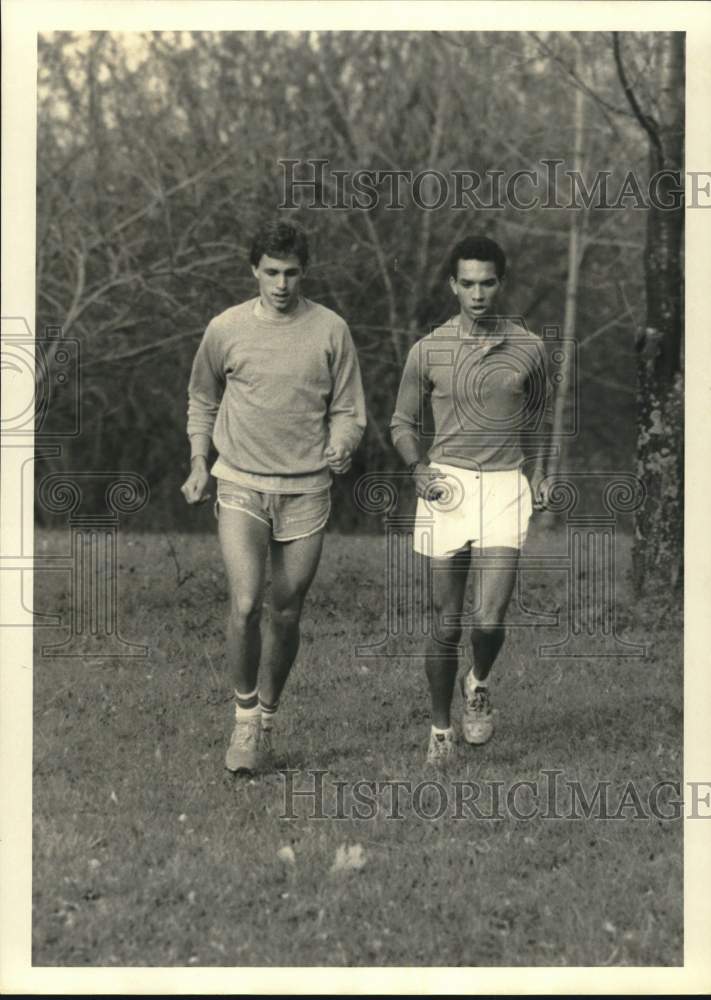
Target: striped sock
x=268, y=713
x=246, y=705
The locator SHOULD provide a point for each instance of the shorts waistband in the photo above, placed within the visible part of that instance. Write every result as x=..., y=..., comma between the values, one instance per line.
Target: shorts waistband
x=456, y=470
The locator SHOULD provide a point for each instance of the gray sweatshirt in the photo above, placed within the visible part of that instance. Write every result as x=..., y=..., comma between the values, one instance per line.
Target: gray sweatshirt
x=274, y=393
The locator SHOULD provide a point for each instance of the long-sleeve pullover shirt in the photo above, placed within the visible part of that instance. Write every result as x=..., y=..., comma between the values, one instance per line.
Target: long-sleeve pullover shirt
x=487, y=393
x=274, y=393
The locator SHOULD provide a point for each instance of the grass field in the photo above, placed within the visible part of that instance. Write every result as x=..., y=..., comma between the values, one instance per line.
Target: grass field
x=146, y=853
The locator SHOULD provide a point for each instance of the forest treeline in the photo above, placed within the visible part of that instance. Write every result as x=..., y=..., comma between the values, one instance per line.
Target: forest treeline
x=159, y=153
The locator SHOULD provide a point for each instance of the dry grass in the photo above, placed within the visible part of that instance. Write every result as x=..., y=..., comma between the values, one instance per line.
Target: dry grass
x=145, y=854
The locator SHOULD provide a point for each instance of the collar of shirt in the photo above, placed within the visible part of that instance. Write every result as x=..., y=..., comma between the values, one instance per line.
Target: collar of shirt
x=261, y=313
x=486, y=341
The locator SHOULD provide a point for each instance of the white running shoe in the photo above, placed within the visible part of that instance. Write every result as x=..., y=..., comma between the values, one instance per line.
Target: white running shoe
x=243, y=752
x=477, y=717
x=441, y=747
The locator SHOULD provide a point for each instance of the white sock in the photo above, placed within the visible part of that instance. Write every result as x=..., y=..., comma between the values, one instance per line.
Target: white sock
x=268, y=713
x=471, y=682
x=441, y=732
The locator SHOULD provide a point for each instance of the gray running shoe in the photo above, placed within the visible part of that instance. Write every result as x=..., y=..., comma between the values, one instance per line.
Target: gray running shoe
x=243, y=752
x=477, y=717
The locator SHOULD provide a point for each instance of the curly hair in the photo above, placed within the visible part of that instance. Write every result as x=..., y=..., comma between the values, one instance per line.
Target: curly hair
x=279, y=239
x=477, y=248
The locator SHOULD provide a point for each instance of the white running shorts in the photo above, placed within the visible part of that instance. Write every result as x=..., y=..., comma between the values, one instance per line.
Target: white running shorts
x=479, y=509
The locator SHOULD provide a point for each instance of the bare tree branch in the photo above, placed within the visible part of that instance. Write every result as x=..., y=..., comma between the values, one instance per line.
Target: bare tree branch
x=646, y=121
x=604, y=105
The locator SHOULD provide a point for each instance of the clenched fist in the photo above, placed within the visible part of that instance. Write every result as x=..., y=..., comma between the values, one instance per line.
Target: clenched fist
x=193, y=489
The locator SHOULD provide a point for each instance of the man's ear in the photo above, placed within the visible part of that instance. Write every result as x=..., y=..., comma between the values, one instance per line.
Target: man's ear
x=255, y=272
x=453, y=285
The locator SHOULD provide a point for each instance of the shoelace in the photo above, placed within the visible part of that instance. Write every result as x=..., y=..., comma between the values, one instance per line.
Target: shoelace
x=479, y=701
x=247, y=735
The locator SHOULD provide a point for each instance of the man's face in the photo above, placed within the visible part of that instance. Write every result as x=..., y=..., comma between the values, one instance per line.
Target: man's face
x=476, y=288
x=279, y=283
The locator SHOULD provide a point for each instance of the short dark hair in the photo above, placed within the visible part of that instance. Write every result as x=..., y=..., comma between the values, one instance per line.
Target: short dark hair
x=477, y=248
x=277, y=238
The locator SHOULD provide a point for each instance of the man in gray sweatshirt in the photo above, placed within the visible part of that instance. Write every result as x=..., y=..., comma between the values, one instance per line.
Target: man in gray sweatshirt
x=276, y=385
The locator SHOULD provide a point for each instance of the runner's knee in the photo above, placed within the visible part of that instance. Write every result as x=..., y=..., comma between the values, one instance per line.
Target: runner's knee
x=286, y=617
x=245, y=611
x=488, y=629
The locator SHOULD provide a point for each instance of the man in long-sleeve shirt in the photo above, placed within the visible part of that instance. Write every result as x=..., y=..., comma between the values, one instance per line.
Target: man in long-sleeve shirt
x=276, y=386
x=484, y=377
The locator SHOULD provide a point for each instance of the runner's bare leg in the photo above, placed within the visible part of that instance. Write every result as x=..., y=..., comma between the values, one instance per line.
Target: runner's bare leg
x=245, y=542
x=294, y=566
x=495, y=586
x=449, y=581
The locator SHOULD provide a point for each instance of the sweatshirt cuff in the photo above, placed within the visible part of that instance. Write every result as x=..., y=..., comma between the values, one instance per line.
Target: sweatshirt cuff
x=199, y=448
x=349, y=438
x=400, y=431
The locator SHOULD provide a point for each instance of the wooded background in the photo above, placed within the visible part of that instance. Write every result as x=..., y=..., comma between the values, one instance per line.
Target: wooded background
x=158, y=154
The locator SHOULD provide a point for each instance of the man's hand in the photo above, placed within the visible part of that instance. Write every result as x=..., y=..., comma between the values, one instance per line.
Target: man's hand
x=425, y=476
x=540, y=489
x=338, y=458
x=193, y=489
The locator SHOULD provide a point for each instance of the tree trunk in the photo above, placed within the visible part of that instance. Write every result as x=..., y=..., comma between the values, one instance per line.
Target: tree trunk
x=572, y=281
x=659, y=531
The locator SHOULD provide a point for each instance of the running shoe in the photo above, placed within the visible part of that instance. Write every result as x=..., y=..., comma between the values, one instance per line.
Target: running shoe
x=477, y=717
x=243, y=751
x=441, y=747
